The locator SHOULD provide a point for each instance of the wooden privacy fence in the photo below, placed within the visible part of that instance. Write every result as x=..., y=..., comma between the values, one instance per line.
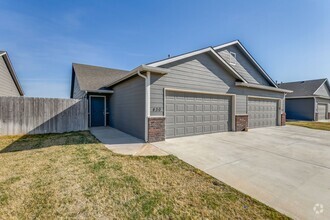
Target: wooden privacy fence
x=23, y=115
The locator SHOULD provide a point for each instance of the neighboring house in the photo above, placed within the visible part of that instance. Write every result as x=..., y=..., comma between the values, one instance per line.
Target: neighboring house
x=9, y=85
x=310, y=100
x=215, y=89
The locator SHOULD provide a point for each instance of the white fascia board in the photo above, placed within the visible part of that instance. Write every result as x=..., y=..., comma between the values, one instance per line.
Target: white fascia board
x=226, y=44
x=250, y=57
x=299, y=97
x=322, y=97
x=142, y=68
x=254, y=86
x=2, y=53
x=305, y=97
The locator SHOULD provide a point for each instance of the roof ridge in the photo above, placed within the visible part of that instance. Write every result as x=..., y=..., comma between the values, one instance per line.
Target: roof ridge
x=82, y=64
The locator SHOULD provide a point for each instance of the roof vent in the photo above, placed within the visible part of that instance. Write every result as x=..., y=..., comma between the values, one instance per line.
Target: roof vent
x=302, y=82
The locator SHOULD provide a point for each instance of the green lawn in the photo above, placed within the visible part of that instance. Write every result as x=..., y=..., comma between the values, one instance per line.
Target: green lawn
x=311, y=124
x=72, y=175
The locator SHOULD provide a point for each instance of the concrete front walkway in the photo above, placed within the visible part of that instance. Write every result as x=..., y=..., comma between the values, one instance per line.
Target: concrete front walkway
x=287, y=168
x=122, y=143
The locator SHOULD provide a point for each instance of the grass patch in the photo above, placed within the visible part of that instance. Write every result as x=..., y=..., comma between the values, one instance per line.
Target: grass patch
x=72, y=175
x=311, y=124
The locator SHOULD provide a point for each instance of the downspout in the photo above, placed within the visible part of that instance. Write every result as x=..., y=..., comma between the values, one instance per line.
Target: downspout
x=315, y=109
x=147, y=104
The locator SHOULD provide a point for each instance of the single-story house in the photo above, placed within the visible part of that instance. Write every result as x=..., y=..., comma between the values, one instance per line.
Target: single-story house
x=214, y=89
x=9, y=84
x=310, y=100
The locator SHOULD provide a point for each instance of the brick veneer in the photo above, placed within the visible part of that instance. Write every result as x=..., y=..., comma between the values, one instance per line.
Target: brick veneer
x=156, y=130
x=316, y=116
x=241, y=122
x=283, y=119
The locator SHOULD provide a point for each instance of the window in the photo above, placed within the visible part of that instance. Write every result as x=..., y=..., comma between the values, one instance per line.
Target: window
x=232, y=60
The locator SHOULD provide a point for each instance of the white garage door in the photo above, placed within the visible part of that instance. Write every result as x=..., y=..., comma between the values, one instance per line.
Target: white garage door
x=322, y=110
x=192, y=113
x=262, y=112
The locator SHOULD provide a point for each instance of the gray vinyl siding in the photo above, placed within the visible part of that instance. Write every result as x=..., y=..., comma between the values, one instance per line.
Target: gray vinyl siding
x=300, y=109
x=77, y=93
x=7, y=84
x=127, y=107
x=323, y=91
x=243, y=65
x=201, y=73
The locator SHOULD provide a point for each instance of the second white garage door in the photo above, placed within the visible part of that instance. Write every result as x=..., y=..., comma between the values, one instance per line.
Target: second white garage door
x=262, y=112
x=322, y=110
x=194, y=113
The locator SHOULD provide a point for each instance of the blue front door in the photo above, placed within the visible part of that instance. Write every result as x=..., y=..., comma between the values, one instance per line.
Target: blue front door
x=97, y=111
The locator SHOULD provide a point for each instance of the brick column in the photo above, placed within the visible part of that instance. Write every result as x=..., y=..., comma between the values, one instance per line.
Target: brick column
x=316, y=116
x=241, y=122
x=283, y=119
x=156, y=131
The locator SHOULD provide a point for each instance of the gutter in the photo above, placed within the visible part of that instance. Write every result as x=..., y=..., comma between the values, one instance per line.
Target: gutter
x=261, y=87
x=147, y=103
x=142, y=68
x=305, y=97
x=100, y=91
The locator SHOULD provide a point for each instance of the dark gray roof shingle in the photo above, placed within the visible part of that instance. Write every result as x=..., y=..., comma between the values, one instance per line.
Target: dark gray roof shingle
x=95, y=77
x=302, y=88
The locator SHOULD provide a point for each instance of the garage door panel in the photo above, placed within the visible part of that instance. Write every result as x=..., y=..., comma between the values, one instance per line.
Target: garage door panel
x=179, y=107
x=190, y=107
x=214, y=118
x=206, y=108
x=170, y=132
x=262, y=112
x=192, y=113
x=199, y=129
x=190, y=119
x=190, y=130
x=170, y=120
x=322, y=110
x=179, y=119
x=207, y=129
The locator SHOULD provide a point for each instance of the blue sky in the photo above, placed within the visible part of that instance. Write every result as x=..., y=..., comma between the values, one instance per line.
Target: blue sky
x=290, y=39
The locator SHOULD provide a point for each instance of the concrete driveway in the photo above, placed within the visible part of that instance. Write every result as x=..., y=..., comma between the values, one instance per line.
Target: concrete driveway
x=287, y=168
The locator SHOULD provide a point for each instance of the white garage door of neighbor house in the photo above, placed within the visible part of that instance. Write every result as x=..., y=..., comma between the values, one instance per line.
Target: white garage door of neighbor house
x=194, y=113
x=262, y=112
x=322, y=110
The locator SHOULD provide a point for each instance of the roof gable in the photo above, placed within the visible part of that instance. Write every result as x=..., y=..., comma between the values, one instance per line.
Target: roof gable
x=303, y=88
x=208, y=50
x=212, y=51
x=245, y=68
x=324, y=89
x=12, y=71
